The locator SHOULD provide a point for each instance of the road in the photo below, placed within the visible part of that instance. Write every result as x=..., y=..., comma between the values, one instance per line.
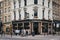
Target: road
x=37, y=37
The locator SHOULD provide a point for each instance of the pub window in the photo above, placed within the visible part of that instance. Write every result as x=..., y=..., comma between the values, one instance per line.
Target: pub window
x=26, y=26
x=35, y=1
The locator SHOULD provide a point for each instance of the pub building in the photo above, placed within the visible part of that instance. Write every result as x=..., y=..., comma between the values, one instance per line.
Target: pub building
x=38, y=26
x=31, y=15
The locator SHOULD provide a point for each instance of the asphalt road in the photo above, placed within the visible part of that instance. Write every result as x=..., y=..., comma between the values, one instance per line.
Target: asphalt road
x=37, y=37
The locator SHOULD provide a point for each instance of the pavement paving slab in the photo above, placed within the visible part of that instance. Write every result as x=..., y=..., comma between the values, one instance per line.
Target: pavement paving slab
x=37, y=37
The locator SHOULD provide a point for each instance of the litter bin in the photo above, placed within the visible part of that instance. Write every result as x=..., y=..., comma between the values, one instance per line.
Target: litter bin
x=33, y=33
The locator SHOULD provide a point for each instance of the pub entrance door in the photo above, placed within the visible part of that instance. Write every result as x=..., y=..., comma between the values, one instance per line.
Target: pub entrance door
x=35, y=27
x=45, y=28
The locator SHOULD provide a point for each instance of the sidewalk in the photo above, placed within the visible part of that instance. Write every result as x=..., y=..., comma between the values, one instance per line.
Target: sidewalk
x=27, y=37
x=19, y=36
x=30, y=37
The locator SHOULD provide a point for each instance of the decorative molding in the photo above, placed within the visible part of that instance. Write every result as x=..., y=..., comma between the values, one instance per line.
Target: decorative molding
x=35, y=8
x=25, y=9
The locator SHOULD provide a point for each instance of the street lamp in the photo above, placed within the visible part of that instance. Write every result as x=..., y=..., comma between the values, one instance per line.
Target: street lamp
x=52, y=24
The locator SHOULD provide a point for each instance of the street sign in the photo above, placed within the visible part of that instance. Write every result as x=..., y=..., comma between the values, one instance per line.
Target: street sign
x=57, y=25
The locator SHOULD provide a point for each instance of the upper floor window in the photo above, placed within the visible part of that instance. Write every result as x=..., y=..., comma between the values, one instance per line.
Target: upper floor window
x=43, y=13
x=5, y=18
x=0, y=12
x=35, y=14
x=5, y=10
x=19, y=15
x=19, y=3
x=9, y=2
x=8, y=9
x=5, y=0
x=48, y=3
x=49, y=14
x=5, y=4
x=26, y=15
x=14, y=15
x=35, y=1
x=0, y=4
x=9, y=18
x=0, y=19
x=25, y=2
x=14, y=3
x=43, y=2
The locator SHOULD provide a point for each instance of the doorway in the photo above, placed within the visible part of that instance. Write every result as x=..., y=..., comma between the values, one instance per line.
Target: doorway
x=45, y=28
x=35, y=27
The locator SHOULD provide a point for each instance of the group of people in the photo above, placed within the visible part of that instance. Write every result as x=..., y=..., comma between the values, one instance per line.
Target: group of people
x=2, y=33
x=23, y=32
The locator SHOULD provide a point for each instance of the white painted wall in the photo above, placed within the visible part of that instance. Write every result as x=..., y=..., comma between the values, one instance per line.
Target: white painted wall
x=40, y=13
x=46, y=14
x=30, y=9
x=17, y=4
x=30, y=2
x=17, y=15
x=22, y=3
x=22, y=13
x=40, y=2
x=12, y=15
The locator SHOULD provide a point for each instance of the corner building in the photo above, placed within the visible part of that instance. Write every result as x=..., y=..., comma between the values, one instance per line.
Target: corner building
x=31, y=15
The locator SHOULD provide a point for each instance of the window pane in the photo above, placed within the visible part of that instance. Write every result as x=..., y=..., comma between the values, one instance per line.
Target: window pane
x=19, y=2
x=26, y=15
x=35, y=1
x=25, y=2
x=35, y=14
x=43, y=13
x=43, y=2
x=5, y=18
